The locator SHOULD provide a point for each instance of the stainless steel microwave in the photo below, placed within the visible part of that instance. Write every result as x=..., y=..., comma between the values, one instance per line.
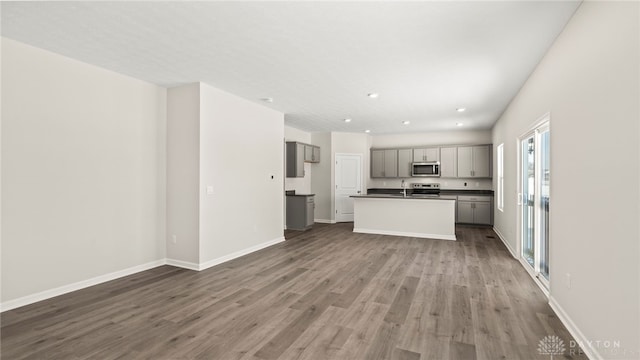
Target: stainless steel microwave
x=425, y=168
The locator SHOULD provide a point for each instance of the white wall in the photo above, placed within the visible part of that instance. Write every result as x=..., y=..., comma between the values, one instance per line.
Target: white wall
x=241, y=157
x=321, y=179
x=461, y=137
x=83, y=171
x=300, y=185
x=183, y=173
x=589, y=83
x=427, y=139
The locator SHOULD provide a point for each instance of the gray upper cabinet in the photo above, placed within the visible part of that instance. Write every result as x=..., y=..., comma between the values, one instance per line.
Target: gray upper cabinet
x=311, y=153
x=377, y=163
x=474, y=161
x=295, y=159
x=426, y=154
x=405, y=157
x=384, y=163
x=482, y=161
x=308, y=153
x=297, y=155
x=449, y=162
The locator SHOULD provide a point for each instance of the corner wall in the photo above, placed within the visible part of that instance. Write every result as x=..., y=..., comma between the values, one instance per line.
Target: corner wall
x=83, y=173
x=183, y=174
x=241, y=159
x=321, y=179
x=589, y=83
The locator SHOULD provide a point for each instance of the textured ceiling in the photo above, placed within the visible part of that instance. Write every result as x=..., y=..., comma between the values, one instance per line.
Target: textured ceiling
x=317, y=60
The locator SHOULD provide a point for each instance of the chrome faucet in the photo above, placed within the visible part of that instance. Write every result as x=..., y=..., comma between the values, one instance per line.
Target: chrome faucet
x=404, y=188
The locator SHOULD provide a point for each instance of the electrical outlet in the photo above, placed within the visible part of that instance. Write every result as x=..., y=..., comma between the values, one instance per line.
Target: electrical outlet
x=568, y=279
x=209, y=190
x=477, y=184
x=174, y=239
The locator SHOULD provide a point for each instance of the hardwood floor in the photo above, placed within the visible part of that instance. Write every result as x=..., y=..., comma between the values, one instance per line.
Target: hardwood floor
x=325, y=294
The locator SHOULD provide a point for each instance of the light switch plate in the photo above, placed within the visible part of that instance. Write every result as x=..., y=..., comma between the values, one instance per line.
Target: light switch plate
x=209, y=190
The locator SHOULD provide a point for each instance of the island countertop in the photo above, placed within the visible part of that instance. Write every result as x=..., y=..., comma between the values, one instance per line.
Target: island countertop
x=408, y=197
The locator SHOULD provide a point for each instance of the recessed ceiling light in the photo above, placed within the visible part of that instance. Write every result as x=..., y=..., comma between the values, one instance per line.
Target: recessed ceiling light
x=269, y=100
x=367, y=131
x=459, y=124
x=373, y=95
x=406, y=122
x=347, y=120
x=460, y=109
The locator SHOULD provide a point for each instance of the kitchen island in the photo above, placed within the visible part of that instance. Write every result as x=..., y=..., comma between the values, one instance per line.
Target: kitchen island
x=425, y=216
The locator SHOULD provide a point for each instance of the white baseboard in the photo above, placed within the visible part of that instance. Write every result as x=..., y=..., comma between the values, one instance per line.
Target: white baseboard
x=240, y=253
x=573, y=330
x=505, y=242
x=324, y=221
x=409, y=234
x=47, y=294
x=183, y=264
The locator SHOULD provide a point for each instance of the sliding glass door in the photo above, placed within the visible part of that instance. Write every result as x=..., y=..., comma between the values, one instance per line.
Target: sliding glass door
x=528, y=200
x=534, y=201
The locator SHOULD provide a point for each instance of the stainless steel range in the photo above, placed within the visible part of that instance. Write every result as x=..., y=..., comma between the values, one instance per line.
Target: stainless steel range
x=426, y=190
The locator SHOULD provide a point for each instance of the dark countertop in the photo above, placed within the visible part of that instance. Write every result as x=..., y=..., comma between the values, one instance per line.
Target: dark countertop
x=293, y=193
x=408, y=197
x=393, y=191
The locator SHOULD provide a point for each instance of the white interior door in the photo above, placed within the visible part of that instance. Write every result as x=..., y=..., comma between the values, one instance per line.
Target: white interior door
x=348, y=182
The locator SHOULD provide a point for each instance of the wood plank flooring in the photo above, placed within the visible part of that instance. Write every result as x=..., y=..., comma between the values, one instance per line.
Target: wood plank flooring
x=326, y=293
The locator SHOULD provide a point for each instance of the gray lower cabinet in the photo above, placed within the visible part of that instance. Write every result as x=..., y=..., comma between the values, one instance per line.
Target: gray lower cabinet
x=474, y=210
x=300, y=212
